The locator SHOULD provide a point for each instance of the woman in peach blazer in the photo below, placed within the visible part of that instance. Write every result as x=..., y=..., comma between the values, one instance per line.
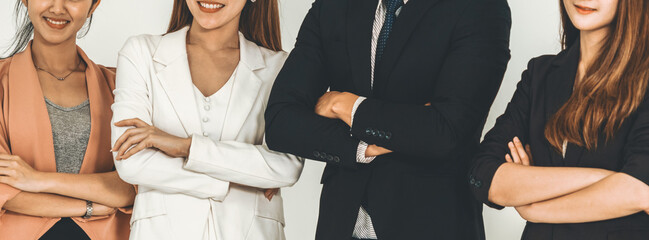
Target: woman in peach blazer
x=37, y=201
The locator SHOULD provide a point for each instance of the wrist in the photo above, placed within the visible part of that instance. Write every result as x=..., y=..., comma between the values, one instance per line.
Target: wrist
x=185, y=144
x=45, y=182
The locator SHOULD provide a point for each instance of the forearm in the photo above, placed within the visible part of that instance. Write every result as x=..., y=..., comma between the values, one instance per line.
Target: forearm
x=46, y=205
x=616, y=196
x=104, y=188
x=517, y=185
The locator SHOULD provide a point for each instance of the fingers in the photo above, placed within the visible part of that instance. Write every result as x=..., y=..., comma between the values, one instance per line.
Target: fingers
x=4, y=156
x=269, y=193
x=514, y=153
x=136, y=122
x=522, y=154
x=126, y=135
x=528, y=149
x=509, y=158
x=139, y=147
x=133, y=140
x=428, y=104
x=7, y=172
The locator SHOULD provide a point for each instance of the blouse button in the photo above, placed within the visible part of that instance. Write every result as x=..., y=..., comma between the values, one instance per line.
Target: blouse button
x=207, y=99
x=207, y=107
x=205, y=119
x=205, y=134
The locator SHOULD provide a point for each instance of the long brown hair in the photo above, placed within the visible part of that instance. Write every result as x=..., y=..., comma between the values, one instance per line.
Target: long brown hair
x=259, y=22
x=613, y=86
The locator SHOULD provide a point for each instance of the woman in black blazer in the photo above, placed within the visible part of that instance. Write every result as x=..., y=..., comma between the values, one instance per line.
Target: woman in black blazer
x=584, y=115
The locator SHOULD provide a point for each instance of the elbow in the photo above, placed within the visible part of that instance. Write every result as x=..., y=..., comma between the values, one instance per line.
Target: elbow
x=642, y=198
x=501, y=197
x=127, y=173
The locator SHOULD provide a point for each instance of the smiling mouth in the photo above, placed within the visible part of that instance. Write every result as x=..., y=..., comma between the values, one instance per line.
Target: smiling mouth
x=210, y=7
x=56, y=23
x=584, y=10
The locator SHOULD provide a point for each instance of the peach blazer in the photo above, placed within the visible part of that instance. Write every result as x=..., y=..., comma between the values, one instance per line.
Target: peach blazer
x=25, y=130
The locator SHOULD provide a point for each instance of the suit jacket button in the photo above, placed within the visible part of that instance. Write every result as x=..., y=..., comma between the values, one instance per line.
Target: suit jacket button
x=374, y=133
x=381, y=134
x=330, y=158
x=316, y=154
x=478, y=183
x=336, y=159
x=368, y=131
x=388, y=135
x=472, y=181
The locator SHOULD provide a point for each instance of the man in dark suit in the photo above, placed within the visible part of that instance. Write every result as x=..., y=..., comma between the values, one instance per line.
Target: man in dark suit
x=410, y=86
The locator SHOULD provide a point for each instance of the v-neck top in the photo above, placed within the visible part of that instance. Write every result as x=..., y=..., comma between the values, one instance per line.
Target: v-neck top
x=213, y=108
x=70, y=131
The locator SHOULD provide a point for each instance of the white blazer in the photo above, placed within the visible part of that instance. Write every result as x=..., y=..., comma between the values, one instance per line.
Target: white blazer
x=196, y=197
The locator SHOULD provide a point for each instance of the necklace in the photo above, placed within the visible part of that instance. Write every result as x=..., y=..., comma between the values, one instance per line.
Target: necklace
x=59, y=78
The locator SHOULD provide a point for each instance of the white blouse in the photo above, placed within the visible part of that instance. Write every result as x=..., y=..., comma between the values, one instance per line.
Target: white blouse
x=213, y=109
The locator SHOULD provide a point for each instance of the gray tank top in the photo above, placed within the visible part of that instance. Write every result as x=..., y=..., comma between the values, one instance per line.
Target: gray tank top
x=71, y=131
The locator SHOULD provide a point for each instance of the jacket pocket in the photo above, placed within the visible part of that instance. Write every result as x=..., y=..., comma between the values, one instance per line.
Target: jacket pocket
x=630, y=234
x=273, y=209
x=148, y=205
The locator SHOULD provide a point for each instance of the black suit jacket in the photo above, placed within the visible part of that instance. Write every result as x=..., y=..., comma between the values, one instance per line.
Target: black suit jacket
x=451, y=53
x=546, y=86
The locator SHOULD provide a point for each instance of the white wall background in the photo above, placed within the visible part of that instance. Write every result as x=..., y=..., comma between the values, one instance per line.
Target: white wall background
x=535, y=31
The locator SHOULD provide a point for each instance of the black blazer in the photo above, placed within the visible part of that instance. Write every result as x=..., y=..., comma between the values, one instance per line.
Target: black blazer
x=452, y=53
x=545, y=87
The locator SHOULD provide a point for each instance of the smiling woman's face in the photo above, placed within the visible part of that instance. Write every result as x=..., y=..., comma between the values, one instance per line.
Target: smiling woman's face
x=213, y=14
x=57, y=21
x=591, y=15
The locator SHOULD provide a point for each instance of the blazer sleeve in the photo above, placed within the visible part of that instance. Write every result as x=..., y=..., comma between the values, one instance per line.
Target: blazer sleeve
x=151, y=168
x=491, y=155
x=243, y=163
x=636, y=150
x=465, y=89
x=291, y=123
x=6, y=192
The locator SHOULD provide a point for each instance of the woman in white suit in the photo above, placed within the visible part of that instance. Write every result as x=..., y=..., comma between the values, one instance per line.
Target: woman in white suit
x=189, y=126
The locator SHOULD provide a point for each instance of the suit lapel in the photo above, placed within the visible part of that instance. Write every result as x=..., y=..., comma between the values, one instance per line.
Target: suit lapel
x=360, y=20
x=101, y=99
x=558, y=89
x=172, y=70
x=27, y=111
x=405, y=24
x=245, y=88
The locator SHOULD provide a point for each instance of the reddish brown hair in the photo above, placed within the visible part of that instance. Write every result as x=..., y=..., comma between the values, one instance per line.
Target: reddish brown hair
x=613, y=86
x=259, y=22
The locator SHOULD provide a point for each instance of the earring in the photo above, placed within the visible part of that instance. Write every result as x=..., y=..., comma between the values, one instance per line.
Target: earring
x=253, y=1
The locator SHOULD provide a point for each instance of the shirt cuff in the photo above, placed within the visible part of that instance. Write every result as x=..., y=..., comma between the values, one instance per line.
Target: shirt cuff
x=360, y=154
x=356, y=104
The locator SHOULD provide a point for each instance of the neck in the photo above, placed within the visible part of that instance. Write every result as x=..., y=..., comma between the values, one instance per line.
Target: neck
x=61, y=57
x=225, y=37
x=591, y=43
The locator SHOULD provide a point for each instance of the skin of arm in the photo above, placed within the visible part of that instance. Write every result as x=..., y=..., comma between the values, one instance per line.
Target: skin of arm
x=616, y=196
x=51, y=205
x=516, y=183
x=105, y=188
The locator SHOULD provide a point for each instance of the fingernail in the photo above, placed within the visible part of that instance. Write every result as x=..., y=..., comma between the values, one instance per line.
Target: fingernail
x=517, y=140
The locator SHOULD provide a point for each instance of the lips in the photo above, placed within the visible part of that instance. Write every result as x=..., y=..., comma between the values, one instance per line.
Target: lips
x=56, y=23
x=584, y=10
x=210, y=7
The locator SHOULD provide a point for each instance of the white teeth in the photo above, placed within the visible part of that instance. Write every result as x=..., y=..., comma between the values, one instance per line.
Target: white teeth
x=56, y=22
x=211, y=5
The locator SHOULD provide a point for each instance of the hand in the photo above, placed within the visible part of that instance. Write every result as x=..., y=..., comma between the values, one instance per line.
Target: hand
x=518, y=153
x=336, y=105
x=374, y=151
x=145, y=136
x=14, y=171
x=102, y=210
x=270, y=193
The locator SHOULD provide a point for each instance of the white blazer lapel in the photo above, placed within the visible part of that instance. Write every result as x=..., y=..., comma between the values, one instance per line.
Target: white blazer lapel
x=245, y=88
x=172, y=70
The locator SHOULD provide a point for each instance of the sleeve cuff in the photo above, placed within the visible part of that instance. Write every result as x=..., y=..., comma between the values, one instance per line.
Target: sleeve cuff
x=360, y=154
x=480, y=181
x=356, y=104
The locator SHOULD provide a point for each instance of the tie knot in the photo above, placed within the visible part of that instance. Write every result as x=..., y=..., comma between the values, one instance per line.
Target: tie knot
x=393, y=5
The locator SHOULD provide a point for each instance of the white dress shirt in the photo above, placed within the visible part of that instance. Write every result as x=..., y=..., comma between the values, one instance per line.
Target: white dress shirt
x=364, y=228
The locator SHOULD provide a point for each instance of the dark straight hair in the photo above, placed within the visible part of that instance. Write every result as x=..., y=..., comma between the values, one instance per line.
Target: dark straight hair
x=259, y=22
x=25, y=29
